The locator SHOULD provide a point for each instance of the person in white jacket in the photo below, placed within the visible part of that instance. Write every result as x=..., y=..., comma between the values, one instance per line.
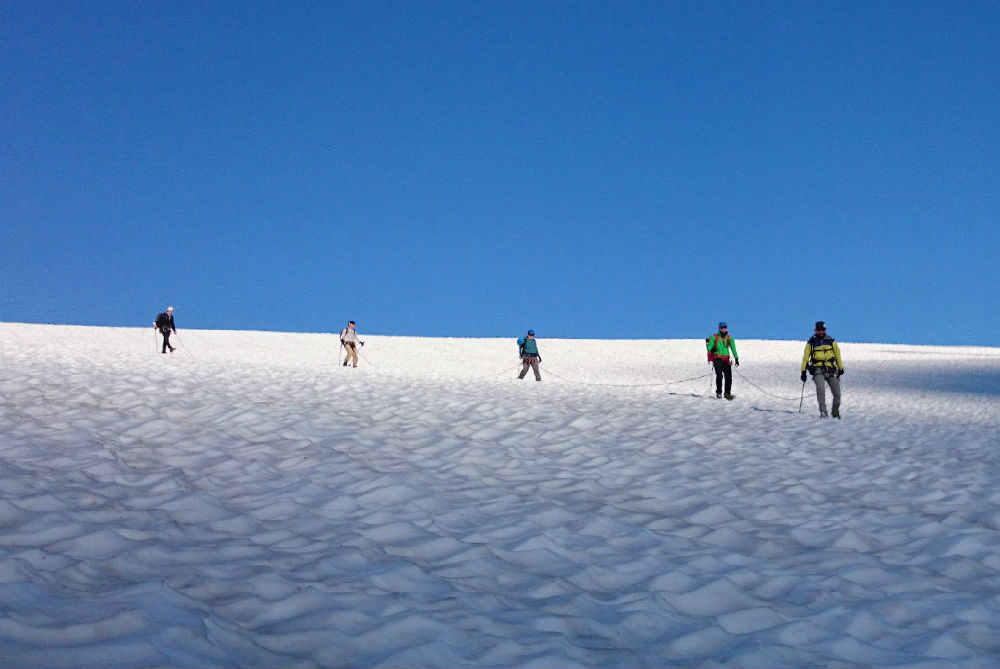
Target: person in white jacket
x=349, y=340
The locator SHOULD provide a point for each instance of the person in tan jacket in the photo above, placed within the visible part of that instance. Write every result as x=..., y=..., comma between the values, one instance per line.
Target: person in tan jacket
x=349, y=340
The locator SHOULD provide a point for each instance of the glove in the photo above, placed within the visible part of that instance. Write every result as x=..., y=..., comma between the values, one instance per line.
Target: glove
x=737, y=363
x=362, y=343
x=803, y=377
x=840, y=373
x=539, y=360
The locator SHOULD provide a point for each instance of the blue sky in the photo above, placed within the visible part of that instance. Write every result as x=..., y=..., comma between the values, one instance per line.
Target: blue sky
x=593, y=170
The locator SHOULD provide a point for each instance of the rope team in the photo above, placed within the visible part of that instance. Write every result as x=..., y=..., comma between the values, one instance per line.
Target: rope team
x=821, y=359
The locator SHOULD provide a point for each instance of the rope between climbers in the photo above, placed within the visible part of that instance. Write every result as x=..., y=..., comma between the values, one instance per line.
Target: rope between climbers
x=784, y=399
x=625, y=385
x=619, y=385
x=505, y=370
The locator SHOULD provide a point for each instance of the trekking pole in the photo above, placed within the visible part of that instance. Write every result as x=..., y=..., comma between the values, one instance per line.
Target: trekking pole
x=802, y=396
x=155, y=342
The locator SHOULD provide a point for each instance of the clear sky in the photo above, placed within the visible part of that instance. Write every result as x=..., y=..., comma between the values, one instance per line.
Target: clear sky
x=588, y=169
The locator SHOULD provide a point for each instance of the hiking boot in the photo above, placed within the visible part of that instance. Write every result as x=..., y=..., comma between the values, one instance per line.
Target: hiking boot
x=822, y=414
x=729, y=397
x=718, y=396
x=835, y=414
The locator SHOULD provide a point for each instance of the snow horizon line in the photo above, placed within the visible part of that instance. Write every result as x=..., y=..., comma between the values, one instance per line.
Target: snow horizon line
x=507, y=337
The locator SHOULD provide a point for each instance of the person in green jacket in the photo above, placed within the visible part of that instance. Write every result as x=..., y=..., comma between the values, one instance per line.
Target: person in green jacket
x=720, y=346
x=528, y=349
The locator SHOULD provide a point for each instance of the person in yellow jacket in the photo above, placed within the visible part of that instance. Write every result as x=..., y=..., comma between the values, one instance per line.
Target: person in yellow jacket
x=822, y=360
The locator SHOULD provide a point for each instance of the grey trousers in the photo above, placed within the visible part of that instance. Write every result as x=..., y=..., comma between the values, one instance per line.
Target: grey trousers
x=821, y=379
x=533, y=362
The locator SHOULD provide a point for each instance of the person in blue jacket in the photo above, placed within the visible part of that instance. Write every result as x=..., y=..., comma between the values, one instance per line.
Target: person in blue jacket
x=528, y=348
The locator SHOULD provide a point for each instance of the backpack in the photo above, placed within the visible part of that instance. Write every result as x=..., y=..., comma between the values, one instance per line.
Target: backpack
x=520, y=345
x=711, y=351
x=813, y=363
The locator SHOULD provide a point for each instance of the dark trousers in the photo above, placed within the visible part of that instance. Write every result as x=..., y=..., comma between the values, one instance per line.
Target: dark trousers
x=166, y=341
x=723, y=368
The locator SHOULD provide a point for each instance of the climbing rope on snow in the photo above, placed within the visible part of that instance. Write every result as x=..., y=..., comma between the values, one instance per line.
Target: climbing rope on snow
x=505, y=370
x=365, y=358
x=625, y=385
x=769, y=394
x=183, y=345
x=661, y=384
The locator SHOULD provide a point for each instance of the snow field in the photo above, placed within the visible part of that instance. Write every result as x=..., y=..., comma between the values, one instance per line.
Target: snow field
x=247, y=501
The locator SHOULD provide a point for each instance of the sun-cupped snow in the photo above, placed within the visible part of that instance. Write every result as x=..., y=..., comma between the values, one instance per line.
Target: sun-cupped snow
x=248, y=501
